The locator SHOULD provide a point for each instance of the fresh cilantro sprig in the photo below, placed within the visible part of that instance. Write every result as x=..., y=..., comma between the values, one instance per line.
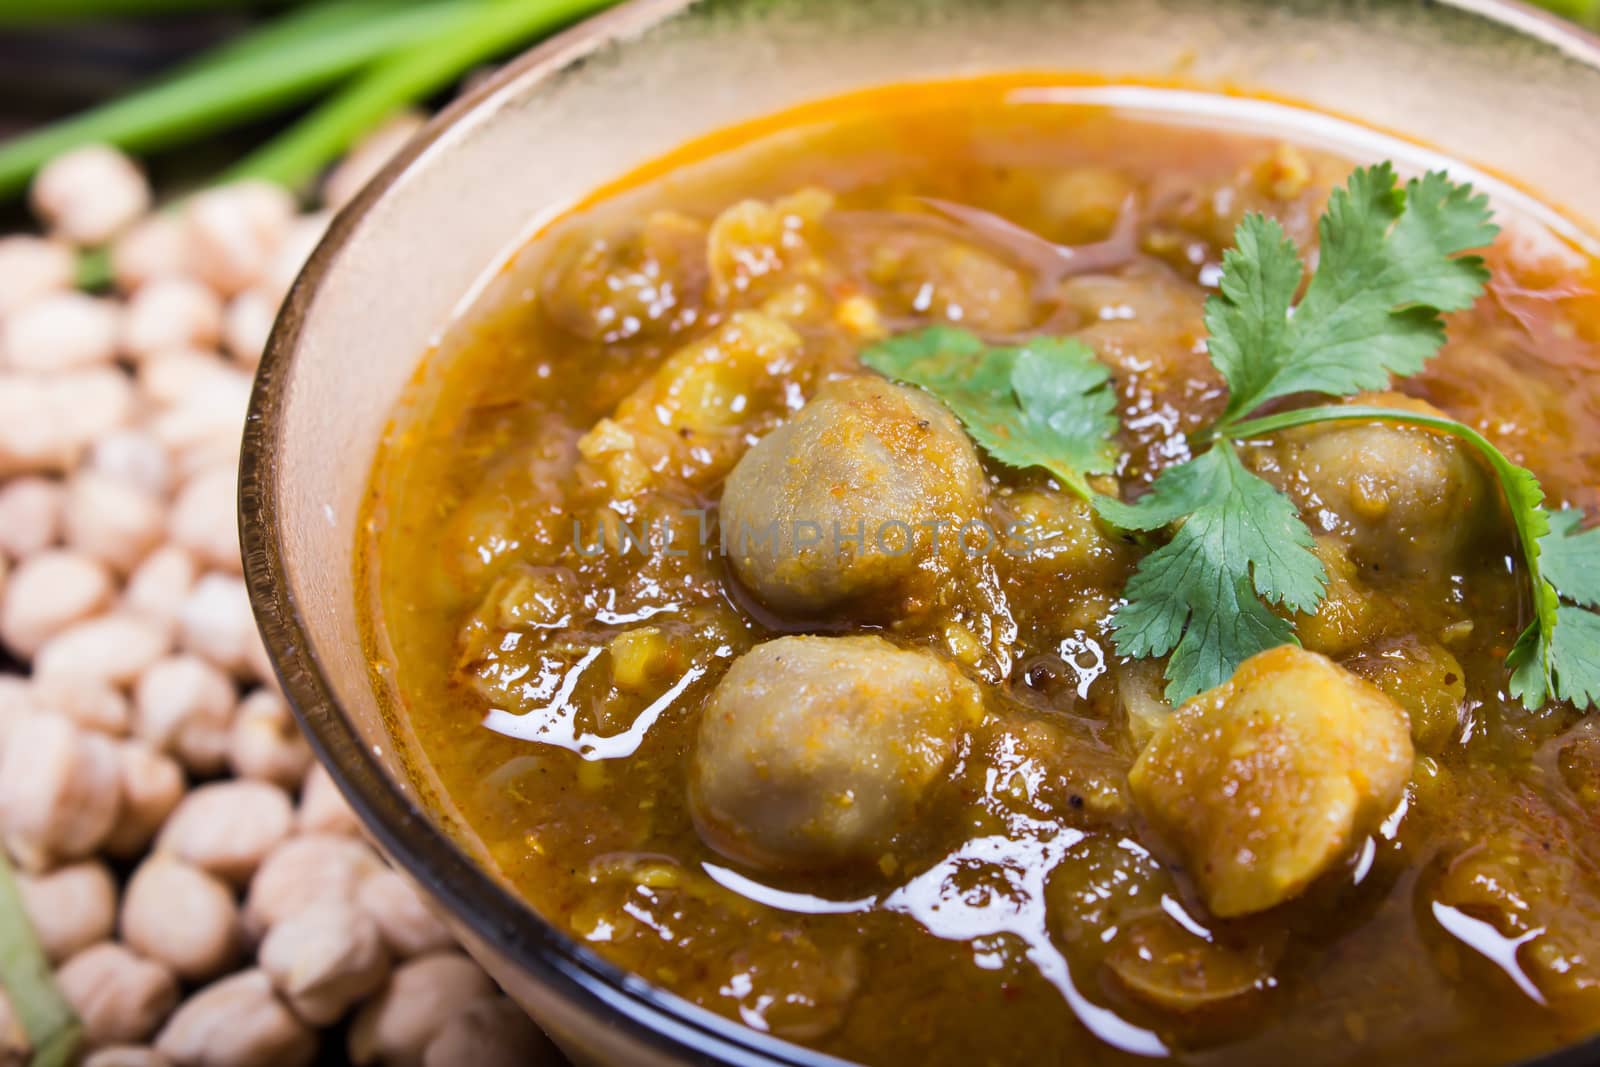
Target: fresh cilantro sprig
x=1391, y=261
x=1196, y=596
x=1046, y=403
x=1558, y=654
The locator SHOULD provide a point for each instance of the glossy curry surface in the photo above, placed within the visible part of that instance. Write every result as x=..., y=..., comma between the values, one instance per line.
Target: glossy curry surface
x=554, y=610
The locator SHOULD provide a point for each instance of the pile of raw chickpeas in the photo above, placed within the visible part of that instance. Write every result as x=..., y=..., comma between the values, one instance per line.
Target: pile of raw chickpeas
x=201, y=890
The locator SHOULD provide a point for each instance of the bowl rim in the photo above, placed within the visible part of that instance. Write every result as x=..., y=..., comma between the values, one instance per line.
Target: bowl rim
x=648, y=1015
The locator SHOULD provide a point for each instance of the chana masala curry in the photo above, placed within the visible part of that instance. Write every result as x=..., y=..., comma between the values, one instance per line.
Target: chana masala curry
x=950, y=576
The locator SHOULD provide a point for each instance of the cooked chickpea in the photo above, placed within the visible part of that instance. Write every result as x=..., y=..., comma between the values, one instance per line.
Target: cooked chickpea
x=1405, y=500
x=1270, y=779
x=833, y=507
x=814, y=752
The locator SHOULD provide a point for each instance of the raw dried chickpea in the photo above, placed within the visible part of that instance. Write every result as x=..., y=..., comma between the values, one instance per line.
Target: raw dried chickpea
x=120, y=997
x=302, y=238
x=492, y=1032
x=216, y=623
x=184, y=705
x=30, y=515
x=395, y=1027
x=49, y=591
x=171, y=313
x=322, y=807
x=114, y=649
x=157, y=246
x=135, y=458
x=158, y=587
x=246, y=326
x=60, y=332
x=237, y=1022
x=90, y=703
x=58, y=790
x=368, y=157
x=14, y=1047
x=228, y=828
x=204, y=518
x=302, y=870
x=126, y=1056
x=265, y=742
x=71, y=907
x=90, y=194
x=112, y=520
x=47, y=422
x=409, y=926
x=151, y=785
x=234, y=231
x=30, y=267
x=182, y=917
x=324, y=959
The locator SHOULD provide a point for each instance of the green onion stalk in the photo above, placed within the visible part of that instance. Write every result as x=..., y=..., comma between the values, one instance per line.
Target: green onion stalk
x=53, y=1031
x=296, y=156
x=290, y=66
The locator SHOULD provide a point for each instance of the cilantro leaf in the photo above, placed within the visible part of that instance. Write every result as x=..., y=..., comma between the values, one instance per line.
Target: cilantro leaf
x=1046, y=403
x=1570, y=559
x=1575, y=650
x=1389, y=264
x=1198, y=596
x=1559, y=653
x=1529, y=661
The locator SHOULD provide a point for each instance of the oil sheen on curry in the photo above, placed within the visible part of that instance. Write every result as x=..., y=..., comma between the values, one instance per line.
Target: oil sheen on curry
x=951, y=576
